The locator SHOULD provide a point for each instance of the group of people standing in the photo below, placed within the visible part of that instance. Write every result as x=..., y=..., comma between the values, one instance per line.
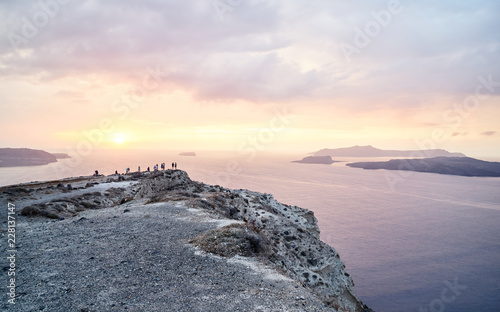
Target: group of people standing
x=163, y=166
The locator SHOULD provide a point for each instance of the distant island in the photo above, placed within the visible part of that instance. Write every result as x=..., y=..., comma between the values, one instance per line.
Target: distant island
x=370, y=151
x=323, y=160
x=13, y=157
x=462, y=166
x=187, y=154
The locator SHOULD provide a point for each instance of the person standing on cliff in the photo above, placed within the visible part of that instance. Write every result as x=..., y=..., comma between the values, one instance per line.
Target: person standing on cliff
x=175, y=166
x=139, y=169
x=172, y=166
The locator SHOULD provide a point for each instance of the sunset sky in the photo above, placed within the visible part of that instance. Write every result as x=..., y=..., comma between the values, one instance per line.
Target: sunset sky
x=295, y=75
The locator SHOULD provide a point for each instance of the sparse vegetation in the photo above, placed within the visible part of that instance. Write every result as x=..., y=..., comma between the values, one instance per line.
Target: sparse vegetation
x=33, y=211
x=232, y=240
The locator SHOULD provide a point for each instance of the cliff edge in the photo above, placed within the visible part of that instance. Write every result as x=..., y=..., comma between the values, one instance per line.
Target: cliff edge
x=168, y=241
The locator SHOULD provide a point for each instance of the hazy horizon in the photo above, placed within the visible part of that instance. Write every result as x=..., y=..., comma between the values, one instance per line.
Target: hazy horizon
x=270, y=75
x=236, y=153
x=399, y=242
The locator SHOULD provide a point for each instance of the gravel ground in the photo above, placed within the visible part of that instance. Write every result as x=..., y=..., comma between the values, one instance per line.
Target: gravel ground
x=136, y=257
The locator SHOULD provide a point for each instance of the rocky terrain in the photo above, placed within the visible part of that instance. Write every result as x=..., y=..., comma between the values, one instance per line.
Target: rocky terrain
x=370, y=151
x=323, y=160
x=11, y=157
x=159, y=241
x=462, y=166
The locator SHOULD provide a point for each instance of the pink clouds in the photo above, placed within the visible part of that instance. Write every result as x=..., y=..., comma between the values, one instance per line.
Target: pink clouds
x=263, y=53
x=241, y=57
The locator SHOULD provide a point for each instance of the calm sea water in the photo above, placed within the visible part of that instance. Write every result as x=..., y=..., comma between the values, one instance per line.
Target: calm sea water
x=429, y=242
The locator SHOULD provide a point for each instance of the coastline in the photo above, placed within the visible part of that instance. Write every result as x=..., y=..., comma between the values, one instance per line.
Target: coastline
x=281, y=238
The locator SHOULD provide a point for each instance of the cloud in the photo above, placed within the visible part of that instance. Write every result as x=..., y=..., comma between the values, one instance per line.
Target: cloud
x=489, y=133
x=69, y=94
x=263, y=51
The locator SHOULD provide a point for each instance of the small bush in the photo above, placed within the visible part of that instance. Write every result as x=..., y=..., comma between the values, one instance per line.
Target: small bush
x=33, y=211
x=232, y=240
x=30, y=211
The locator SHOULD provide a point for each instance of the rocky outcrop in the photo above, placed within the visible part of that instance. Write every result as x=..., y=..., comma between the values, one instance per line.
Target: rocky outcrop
x=289, y=239
x=60, y=208
x=282, y=236
x=286, y=236
x=462, y=166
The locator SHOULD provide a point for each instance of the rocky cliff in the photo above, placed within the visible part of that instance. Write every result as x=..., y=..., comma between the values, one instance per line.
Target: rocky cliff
x=282, y=237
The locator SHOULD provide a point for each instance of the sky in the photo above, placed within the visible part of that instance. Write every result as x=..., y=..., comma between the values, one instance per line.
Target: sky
x=235, y=75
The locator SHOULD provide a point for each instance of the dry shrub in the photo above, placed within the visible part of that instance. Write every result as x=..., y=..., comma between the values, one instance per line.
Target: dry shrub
x=232, y=240
x=33, y=211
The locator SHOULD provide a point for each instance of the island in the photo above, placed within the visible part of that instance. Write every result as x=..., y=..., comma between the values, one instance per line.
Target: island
x=159, y=241
x=462, y=166
x=187, y=154
x=324, y=160
x=370, y=151
x=14, y=157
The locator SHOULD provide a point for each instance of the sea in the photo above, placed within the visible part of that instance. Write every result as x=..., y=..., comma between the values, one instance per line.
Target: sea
x=411, y=241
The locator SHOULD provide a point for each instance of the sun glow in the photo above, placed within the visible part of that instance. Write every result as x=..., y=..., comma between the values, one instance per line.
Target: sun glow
x=118, y=138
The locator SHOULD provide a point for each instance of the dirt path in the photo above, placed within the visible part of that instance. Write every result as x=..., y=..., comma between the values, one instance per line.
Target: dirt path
x=136, y=257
